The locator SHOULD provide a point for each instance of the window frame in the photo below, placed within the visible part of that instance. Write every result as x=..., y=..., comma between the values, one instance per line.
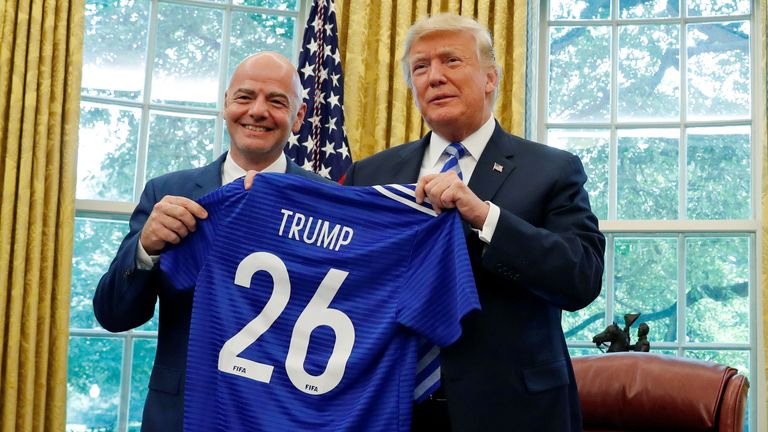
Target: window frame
x=537, y=126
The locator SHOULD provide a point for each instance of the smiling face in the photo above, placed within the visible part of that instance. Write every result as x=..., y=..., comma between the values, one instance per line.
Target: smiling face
x=261, y=108
x=452, y=89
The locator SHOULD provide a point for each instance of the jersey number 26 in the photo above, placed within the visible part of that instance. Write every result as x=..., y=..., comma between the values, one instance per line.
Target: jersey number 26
x=317, y=313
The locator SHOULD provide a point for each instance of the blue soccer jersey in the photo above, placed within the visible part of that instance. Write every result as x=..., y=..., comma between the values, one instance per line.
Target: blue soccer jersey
x=310, y=300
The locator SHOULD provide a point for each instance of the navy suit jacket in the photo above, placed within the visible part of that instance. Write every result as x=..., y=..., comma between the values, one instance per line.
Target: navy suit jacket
x=510, y=370
x=125, y=297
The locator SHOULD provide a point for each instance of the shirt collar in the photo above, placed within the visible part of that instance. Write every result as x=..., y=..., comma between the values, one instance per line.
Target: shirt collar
x=231, y=171
x=475, y=143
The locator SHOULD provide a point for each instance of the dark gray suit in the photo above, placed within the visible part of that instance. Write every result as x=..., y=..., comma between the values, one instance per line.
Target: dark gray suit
x=125, y=297
x=510, y=370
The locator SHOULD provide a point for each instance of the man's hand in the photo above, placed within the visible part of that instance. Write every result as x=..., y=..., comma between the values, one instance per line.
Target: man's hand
x=172, y=218
x=446, y=190
x=249, y=175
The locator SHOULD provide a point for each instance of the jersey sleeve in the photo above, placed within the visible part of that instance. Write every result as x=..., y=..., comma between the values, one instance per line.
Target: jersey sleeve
x=182, y=262
x=439, y=287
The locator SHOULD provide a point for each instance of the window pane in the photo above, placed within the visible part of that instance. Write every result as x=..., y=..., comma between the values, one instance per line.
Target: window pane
x=718, y=71
x=143, y=358
x=114, y=48
x=579, y=74
x=179, y=142
x=186, y=67
x=651, y=292
x=717, y=7
x=719, y=173
x=106, y=152
x=579, y=9
x=717, y=289
x=591, y=145
x=256, y=32
x=649, y=8
x=734, y=359
x=93, y=383
x=649, y=72
x=648, y=174
x=96, y=242
x=272, y=4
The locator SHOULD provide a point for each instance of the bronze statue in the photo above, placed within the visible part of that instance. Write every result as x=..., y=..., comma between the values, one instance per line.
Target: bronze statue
x=642, y=344
x=619, y=340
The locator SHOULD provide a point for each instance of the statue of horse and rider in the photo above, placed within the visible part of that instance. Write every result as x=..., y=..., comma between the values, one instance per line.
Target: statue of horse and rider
x=620, y=340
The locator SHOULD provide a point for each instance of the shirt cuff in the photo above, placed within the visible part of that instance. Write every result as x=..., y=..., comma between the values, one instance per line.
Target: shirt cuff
x=145, y=261
x=489, y=227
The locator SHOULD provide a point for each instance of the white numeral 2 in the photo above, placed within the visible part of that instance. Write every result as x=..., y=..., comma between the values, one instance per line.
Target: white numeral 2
x=316, y=314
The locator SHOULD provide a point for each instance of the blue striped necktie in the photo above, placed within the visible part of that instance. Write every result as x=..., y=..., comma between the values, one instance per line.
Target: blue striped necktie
x=428, y=366
x=455, y=151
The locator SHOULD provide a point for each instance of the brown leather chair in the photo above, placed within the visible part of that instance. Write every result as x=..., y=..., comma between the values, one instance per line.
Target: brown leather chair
x=632, y=391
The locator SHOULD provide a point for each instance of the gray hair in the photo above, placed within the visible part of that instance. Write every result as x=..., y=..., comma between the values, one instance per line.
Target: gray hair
x=451, y=23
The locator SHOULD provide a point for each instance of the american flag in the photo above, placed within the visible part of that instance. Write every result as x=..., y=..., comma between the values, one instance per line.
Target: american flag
x=321, y=144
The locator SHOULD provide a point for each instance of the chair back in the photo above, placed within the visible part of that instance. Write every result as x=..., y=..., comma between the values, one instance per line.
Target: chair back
x=630, y=391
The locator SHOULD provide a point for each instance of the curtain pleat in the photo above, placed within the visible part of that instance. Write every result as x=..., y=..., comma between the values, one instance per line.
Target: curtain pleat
x=378, y=107
x=40, y=69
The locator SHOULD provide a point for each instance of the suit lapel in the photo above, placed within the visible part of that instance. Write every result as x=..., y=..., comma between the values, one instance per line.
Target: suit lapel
x=209, y=177
x=407, y=165
x=494, y=166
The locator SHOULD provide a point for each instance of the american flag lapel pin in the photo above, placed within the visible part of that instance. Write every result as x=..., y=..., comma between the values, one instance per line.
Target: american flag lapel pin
x=497, y=167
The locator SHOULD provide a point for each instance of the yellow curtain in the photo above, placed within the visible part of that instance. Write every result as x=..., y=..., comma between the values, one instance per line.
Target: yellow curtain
x=40, y=66
x=378, y=107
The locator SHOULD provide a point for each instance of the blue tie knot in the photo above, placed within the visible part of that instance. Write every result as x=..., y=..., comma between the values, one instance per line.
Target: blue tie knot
x=455, y=150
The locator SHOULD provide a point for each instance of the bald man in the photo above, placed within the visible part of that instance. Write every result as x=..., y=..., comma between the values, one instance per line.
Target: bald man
x=262, y=105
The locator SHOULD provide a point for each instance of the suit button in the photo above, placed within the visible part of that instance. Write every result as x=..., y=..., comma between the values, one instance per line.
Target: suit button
x=128, y=273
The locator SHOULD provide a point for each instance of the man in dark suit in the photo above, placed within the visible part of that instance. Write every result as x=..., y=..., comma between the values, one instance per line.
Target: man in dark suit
x=533, y=240
x=261, y=106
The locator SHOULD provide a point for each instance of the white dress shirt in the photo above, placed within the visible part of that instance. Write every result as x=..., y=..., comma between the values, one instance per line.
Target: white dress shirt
x=435, y=158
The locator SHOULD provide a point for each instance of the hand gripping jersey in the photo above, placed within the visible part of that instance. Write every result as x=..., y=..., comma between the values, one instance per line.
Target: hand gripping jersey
x=310, y=300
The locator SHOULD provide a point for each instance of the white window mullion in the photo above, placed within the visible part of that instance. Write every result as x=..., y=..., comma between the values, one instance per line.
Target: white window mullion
x=125, y=383
x=226, y=30
x=539, y=104
x=681, y=293
x=683, y=152
x=613, y=146
x=610, y=289
x=143, y=144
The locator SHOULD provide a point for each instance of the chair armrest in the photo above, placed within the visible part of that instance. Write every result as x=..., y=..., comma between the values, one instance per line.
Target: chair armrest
x=734, y=404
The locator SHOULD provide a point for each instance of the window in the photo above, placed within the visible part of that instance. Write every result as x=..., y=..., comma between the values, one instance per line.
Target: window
x=154, y=72
x=657, y=98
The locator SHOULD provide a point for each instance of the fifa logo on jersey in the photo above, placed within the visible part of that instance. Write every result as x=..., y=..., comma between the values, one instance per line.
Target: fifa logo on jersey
x=314, y=231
